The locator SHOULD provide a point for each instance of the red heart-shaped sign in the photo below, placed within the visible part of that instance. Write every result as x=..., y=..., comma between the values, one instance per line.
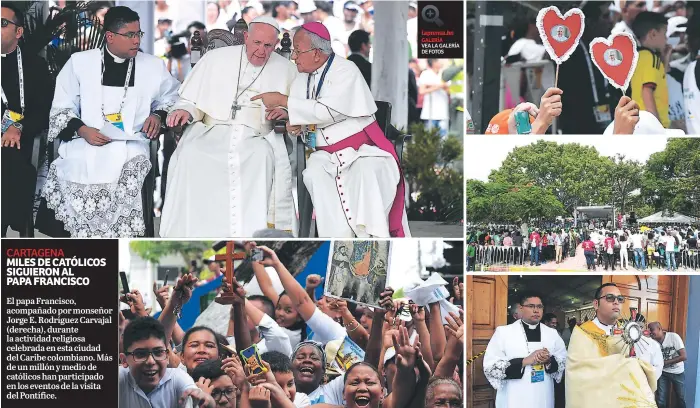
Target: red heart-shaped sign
x=616, y=58
x=560, y=34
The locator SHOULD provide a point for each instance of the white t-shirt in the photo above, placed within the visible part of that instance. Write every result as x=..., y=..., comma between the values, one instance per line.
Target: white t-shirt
x=166, y=393
x=670, y=348
x=436, y=105
x=331, y=393
x=301, y=400
x=636, y=241
x=670, y=243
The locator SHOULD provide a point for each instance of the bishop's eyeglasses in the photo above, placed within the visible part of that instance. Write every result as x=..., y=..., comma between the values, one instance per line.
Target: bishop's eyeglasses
x=131, y=34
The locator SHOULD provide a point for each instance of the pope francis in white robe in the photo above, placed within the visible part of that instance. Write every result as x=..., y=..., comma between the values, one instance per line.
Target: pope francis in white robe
x=230, y=175
x=96, y=190
x=516, y=384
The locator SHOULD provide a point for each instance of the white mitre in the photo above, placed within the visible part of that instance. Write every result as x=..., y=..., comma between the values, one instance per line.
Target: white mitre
x=266, y=20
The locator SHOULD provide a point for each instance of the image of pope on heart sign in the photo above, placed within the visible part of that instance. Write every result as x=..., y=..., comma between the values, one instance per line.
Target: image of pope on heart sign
x=616, y=58
x=560, y=34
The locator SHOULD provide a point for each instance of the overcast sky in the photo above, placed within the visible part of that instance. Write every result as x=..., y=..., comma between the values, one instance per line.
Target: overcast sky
x=486, y=153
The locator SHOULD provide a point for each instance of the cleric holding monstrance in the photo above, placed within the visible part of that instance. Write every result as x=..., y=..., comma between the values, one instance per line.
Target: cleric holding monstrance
x=604, y=368
x=230, y=175
x=524, y=359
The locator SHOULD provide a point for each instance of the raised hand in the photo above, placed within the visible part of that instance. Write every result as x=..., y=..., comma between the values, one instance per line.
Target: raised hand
x=204, y=384
x=406, y=354
x=313, y=281
x=184, y=288
x=417, y=312
x=386, y=302
x=232, y=294
x=626, y=116
x=135, y=301
x=233, y=367
x=259, y=397
x=162, y=294
x=269, y=257
x=455, y=326
x=458, y=289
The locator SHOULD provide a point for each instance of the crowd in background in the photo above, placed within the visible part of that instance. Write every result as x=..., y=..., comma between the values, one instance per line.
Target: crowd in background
x=664, y=247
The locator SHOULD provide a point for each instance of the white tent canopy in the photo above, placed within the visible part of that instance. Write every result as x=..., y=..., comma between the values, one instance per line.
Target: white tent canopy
x=662, y=217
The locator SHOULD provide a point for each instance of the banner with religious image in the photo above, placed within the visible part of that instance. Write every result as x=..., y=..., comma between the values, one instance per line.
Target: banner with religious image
x=357, y=271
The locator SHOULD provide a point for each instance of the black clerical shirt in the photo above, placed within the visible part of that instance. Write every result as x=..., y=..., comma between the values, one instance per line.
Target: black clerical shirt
x=114, y=76
x=38, y=91
x=516, y=370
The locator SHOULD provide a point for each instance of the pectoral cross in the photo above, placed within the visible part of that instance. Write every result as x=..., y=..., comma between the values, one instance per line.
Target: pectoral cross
x=235, y=108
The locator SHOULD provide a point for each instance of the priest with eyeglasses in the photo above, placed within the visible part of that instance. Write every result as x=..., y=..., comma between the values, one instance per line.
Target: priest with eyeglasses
x=108, y=104
x=612, y=362
x=524, y=359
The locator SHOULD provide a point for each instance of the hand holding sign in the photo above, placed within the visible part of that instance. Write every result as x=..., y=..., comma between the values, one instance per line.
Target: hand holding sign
x=616, y=57
x=560, y=34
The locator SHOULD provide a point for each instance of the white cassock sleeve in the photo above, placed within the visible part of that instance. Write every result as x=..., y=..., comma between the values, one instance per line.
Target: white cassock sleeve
x=495, y=360
x=167, y=92
x=559, y=354
x=66, y=100
x=312, y=112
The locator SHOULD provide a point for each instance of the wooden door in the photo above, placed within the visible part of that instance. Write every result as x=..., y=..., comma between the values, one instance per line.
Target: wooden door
x=487, y=308
x=660, y=298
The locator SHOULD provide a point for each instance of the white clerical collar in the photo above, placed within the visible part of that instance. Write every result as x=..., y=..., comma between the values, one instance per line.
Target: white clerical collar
x=530, y=326
x=116, y=59
x=608, y=329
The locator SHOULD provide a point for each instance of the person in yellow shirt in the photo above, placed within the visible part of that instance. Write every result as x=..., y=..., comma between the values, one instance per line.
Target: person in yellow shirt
x=648, y=85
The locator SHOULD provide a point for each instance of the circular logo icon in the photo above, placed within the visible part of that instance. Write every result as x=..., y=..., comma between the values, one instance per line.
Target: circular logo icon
x=560, y=33
x=613, y=57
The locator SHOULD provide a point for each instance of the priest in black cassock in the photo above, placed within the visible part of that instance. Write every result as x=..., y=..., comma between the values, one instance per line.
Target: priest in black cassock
x=26, y=99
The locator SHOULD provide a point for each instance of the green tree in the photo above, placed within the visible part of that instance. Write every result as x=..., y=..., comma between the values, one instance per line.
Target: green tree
x=499, y=202
x=575, y=174
x=153, y=251
x=626, y=177
x=672, y=177
x=439, y=187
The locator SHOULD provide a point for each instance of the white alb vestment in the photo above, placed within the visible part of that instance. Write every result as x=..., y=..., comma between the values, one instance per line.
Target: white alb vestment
x=510, y=342
x=229, y=176
x=352, y=190
x=96, y=190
